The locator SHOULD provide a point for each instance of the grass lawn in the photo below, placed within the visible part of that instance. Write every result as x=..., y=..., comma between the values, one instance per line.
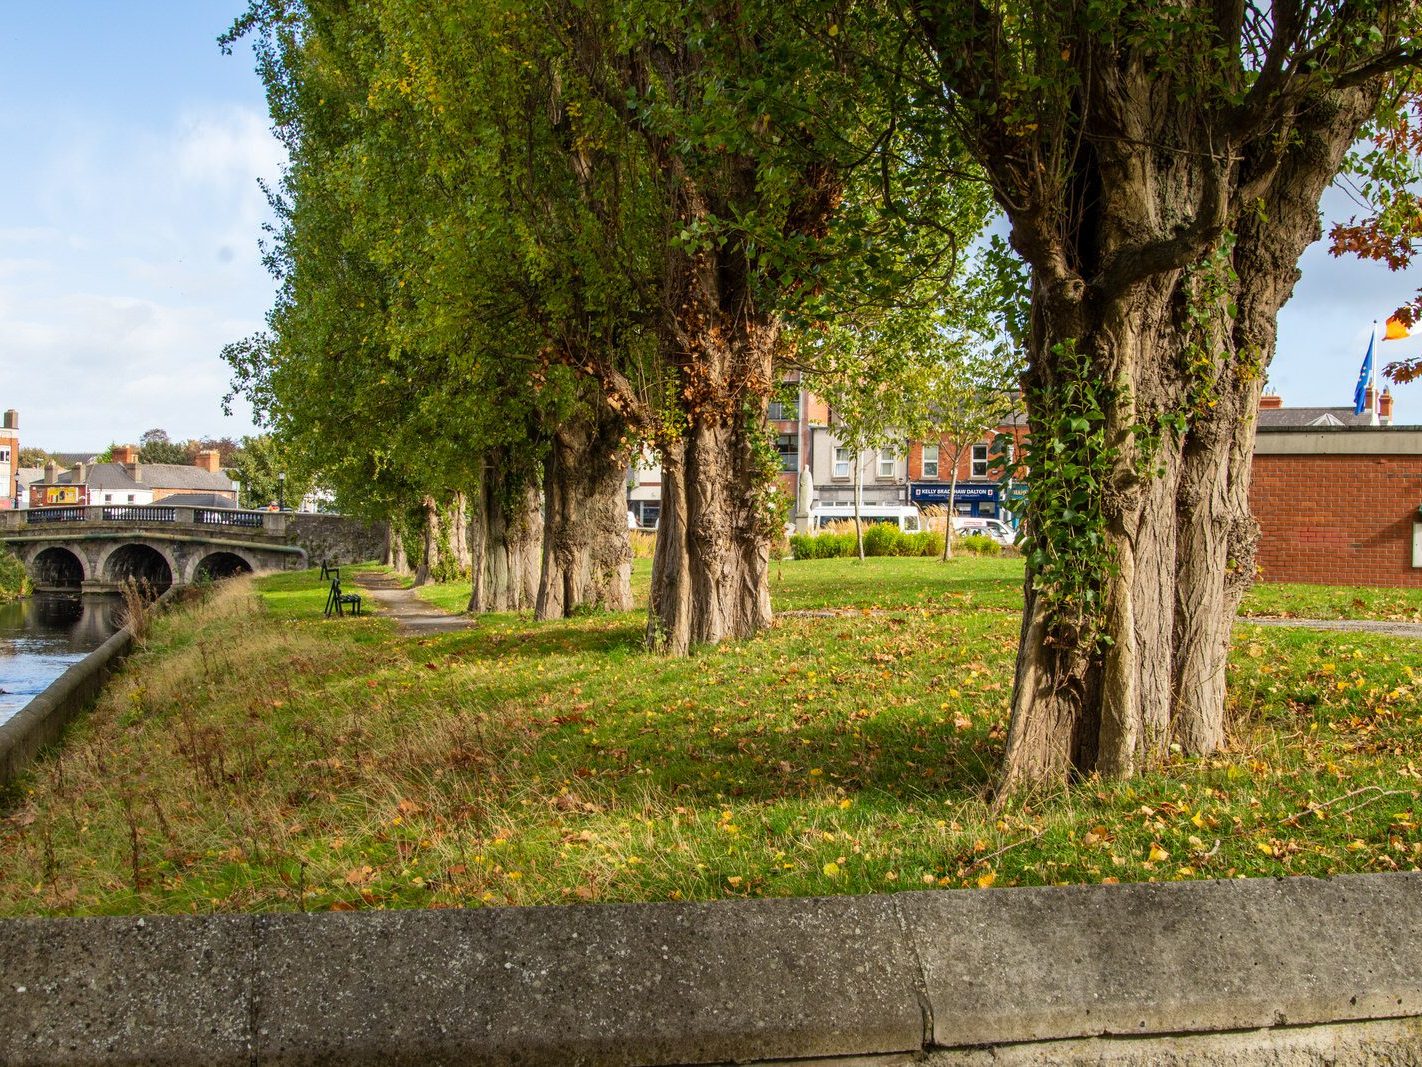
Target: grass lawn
x=254, y=756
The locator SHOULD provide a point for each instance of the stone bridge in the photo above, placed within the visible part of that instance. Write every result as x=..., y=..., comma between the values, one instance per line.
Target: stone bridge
x=94, y=549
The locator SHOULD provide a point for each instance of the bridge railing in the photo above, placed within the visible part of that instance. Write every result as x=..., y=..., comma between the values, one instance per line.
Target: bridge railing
x=55, y=514
x=271, y=522
x=139, y=513
x=220, y=517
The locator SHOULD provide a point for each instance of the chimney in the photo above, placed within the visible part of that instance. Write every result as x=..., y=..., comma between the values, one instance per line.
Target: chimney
x=1370, y=399
x=1270, y=401
x=1385, y=408
x=12, y=419
x=80, y=470
x=51, y=472
x=209, y=459
x=126, y=454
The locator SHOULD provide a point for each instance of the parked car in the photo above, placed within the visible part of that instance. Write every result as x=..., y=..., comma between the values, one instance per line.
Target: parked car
x=999, y=531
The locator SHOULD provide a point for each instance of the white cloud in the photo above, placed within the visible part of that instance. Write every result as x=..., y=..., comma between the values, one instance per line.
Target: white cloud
x=134, y=261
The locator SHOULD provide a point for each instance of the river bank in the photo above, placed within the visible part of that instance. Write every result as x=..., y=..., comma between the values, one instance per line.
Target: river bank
x=256, y=756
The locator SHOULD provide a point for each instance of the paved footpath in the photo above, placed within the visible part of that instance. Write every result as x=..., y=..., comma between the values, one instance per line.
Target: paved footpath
x=410, y=614
x=1371, y=626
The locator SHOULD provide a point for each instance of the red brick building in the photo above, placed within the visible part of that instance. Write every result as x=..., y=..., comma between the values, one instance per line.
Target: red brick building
x=1339, y=504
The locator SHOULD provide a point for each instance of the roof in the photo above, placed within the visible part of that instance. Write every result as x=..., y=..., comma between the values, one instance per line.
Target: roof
x=116, y=477
x=68, y=459
x=198, y=500
x=26, y=475
x=1272, y=417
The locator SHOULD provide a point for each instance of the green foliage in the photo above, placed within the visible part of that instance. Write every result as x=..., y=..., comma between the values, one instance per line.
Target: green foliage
x=880, y=539
x=1065, y=541
x=14, y=582
x=979, y=545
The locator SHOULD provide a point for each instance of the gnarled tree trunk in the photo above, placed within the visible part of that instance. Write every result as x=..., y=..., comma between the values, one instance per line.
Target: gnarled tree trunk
x=587, y=562
x=431, y=538
x=506, y=529
x=395, y=557
x=1178, y=355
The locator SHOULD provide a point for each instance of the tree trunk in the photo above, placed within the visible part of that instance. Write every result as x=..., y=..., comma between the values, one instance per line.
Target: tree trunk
x=459, y=533
x=395, y=557
x=1107, y=681
x=586, y=562
x=859, y=503
x=710, y=570
x=507, y=529
x=430, y=539
x=952, y=510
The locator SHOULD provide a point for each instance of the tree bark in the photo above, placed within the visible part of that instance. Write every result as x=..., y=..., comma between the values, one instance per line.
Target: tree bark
x=459, y=533
x=710, y=570
x=430, y=540
x=1106, y=688
x=395, y=557
x=506, y=531
x=586, y=562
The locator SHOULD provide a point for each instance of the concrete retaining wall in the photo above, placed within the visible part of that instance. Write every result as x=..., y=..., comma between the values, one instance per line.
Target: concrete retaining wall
x=43, y=719
x=1246, y=972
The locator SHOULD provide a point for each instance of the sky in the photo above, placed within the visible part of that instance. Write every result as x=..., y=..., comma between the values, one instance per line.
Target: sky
x=130, y=217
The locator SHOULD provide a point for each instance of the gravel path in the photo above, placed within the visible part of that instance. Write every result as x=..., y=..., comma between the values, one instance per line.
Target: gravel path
x=1371, y=626
x=410, y=614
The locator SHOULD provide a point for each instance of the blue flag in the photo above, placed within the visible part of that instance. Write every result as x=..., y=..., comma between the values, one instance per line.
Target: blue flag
x=1360, y=394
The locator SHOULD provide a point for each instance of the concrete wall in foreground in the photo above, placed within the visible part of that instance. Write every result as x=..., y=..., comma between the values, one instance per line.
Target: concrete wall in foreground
x=1296, y=971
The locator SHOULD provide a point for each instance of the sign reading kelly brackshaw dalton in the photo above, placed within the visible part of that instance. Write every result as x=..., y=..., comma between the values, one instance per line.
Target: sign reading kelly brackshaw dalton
x=968, y=492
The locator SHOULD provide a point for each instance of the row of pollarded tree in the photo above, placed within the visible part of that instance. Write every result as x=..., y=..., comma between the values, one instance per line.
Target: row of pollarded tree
x=516, y=234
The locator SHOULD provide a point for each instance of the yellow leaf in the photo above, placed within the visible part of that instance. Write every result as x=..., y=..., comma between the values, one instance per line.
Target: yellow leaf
x=1265, y=848
x=987, y=879
x=1157, y=854
x=831, y=870
x=734, y=879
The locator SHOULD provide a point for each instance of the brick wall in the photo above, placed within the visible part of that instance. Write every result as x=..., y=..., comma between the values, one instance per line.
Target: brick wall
x=1337, y=519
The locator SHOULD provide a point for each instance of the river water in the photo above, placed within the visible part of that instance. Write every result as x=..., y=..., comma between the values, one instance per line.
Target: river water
x=42, y=635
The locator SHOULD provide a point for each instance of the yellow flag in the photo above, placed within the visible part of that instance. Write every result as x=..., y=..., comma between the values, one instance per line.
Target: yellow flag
x=1396, y=330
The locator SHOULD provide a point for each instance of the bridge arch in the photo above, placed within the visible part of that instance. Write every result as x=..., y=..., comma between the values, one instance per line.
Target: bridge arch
x=57, y=567
x=141, y=561
x=219, y=563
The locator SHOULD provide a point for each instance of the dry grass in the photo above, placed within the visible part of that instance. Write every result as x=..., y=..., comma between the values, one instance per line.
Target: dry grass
x=254, y=756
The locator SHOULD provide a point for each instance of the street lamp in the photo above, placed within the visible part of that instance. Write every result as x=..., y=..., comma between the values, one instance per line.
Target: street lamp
x=281, y=491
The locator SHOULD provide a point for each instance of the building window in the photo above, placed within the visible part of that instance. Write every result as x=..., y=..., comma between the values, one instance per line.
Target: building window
x=130, y=498
x=841, y=462
x=784, y=411
x=886, y=463
x=108, y=498
x=930, y=461
x=4, y=453
x=980, y=461
x=788, y=445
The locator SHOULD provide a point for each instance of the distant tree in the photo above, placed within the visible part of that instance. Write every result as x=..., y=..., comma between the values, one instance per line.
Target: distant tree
x=154, y=446
x=257, y=464
x=33, y=457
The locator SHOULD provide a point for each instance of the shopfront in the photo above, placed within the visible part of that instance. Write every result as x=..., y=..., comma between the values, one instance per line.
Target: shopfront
x=979, y=499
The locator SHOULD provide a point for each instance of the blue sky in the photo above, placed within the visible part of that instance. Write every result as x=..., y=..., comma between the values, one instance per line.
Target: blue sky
x=130, y=215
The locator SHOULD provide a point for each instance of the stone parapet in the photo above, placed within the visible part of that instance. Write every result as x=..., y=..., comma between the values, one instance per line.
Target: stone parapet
x=1268, y=972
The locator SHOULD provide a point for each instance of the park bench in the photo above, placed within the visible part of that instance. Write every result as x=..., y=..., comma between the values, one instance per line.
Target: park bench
x=337, y=601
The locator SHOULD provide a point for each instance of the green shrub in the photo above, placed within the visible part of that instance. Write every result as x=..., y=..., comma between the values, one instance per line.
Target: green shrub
x=822, y=546
x=881, y=539
x=924, y=543
x=978, y=545
x=14, y=583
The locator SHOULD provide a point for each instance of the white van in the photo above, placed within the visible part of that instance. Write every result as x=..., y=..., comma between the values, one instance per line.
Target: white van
x=904, y=516
x=999, y=531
